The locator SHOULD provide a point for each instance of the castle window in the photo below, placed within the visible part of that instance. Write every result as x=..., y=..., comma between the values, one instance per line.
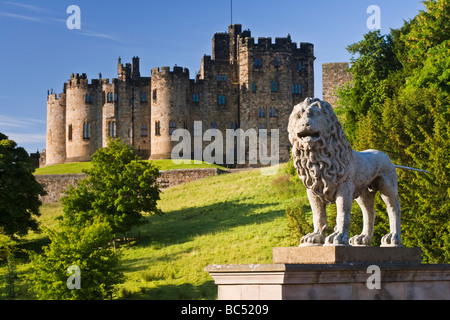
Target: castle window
x=258, y=62
x=144, y=130
x=276, y=63
x=143, y=97
x=273, y=86
x=69, y=132
x=221, y=99
x=296, y=88
x=261, y=112
x=195, y=97
x=172, y=127
x=272, y=112
x=154, y=95
x=109, y=97
x=86, y=130
x=300, y=66
x=88, y=99
x=116, y=97
x=196, y=130
x=157, y=128
x=112, y=129
x=221, y=77
x=254, y=87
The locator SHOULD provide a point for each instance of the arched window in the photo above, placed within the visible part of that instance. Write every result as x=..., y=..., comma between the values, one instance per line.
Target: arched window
x=69, y=132
x=86, y=130
x=144, y=130
x=157, y=128
x=112, y=129
x=172, y=127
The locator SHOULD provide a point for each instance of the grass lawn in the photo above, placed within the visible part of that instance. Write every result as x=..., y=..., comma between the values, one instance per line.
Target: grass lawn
x=72, y=168
x=227, y=219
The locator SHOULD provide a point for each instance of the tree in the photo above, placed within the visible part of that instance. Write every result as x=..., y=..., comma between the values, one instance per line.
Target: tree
x=86, y=248
x=119, y=188
x=19, y=190
x=411, y=122
x=373, y=62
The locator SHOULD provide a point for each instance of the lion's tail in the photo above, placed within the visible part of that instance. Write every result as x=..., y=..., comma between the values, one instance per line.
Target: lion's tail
x=411, y=169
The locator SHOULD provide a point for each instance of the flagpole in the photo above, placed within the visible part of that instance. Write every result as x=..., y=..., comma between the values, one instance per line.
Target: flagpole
x=231, y=12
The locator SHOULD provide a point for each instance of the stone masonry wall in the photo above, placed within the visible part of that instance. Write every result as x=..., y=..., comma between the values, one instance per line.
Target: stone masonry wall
x=334, y=75
x=55, y=184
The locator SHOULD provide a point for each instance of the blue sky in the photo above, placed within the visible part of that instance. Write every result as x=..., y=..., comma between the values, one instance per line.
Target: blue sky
x=38, y=52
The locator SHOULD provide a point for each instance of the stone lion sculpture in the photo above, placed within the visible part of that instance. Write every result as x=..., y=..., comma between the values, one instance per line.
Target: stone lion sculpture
x=334, y=173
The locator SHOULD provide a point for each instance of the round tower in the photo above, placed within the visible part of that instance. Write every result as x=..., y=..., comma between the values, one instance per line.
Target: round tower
x=56, y=133
x=169, y=109
x=82, y=123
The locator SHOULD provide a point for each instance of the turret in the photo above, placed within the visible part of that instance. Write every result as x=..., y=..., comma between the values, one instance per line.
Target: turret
x=136, y=74
x=56, y=129
x=169, y=109
x=83, y=114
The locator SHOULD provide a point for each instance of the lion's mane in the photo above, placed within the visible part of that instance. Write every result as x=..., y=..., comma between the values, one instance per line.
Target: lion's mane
x=323, y=164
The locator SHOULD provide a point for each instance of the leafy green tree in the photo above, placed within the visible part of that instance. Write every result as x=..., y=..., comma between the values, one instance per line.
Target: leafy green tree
x=373, y=62
x=19, y=190
x=410, y=120
x=119, y=187
x=85, y=247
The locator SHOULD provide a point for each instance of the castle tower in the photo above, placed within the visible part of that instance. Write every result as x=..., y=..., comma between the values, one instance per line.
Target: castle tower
x=56, y=129
x=83, y=119
x=169, y=108
x=334, y=76
x=273, y=77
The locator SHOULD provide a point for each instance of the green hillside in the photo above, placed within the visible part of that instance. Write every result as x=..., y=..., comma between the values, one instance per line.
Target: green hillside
x=228, y=219
x=72, y=168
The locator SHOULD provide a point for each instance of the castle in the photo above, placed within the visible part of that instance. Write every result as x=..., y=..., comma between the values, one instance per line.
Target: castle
x=244, y=84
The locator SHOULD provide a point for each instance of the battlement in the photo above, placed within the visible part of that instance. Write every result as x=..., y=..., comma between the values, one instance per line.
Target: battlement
x=286, y=43
x=52, y=97
x=167, y=71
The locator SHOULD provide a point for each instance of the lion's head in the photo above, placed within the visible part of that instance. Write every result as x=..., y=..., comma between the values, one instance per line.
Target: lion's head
x=320, y=150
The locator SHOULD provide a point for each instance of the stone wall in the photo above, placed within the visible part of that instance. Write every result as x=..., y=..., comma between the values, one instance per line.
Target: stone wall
x=334, y=75
x=55, y=184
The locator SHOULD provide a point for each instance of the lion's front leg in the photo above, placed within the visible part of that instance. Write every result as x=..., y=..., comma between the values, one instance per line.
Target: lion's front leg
x=318, y=207
x=344, y=199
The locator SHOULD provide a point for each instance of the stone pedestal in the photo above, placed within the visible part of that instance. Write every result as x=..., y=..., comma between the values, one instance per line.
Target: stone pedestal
x=327, y=273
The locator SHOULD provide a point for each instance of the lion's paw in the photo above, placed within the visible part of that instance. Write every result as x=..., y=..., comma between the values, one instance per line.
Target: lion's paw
x=361, y=240
x=312, y=239
x=337, y=239
x=391, y=240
